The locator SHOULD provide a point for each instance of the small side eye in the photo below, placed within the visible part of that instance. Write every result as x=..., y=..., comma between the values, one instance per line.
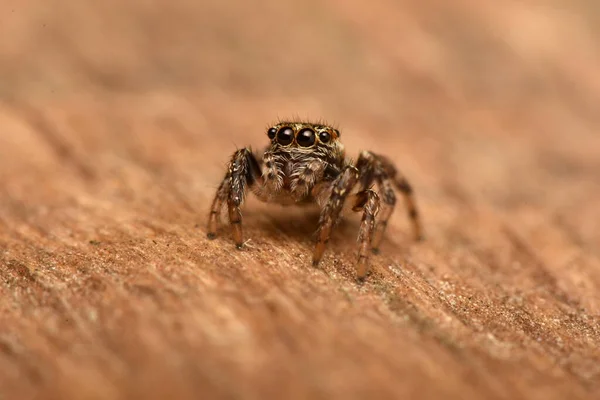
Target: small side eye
x=337, y=132
x=285, y=136
x=324, y=137
x=306, y=137
x=271, y=133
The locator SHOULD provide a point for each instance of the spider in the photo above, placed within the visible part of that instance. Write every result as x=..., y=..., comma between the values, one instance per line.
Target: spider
x=305, y=163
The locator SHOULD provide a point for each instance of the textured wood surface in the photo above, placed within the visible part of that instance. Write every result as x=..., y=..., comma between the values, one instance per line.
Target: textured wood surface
x=117, y=119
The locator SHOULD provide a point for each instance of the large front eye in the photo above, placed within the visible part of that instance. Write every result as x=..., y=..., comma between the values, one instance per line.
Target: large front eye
x=324, y=136
x=306, y=138
x=285, y=136
x=271, y=133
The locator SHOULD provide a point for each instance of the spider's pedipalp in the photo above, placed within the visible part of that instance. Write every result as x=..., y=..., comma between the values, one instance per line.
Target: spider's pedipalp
x=306, y=176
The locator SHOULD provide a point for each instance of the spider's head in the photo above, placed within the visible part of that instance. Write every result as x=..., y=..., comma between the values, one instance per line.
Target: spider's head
x=303, y=136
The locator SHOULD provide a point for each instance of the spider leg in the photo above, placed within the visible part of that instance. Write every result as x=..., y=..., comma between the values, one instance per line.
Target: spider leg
x=376, y=168
x=409, y=200
x=243, y=172
x=339, y=190
x=389, y=203
x=366, y=201
x=217, y=205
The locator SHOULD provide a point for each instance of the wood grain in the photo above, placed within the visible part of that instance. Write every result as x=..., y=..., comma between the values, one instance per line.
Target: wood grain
x=117, y=119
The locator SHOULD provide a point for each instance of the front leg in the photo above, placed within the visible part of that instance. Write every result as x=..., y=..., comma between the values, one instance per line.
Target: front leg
x=340, y=189
x=243, y=172
x=368, y=202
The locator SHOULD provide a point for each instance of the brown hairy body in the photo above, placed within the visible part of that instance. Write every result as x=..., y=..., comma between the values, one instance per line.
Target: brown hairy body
x=306, y=163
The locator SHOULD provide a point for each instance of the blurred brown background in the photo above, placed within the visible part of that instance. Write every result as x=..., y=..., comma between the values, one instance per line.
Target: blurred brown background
x=117, y=119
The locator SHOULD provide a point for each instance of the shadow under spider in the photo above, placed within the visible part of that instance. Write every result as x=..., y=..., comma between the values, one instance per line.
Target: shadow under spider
x=300, y=225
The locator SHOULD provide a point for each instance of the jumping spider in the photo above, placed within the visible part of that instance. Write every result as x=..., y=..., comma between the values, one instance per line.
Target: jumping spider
x=305, y=163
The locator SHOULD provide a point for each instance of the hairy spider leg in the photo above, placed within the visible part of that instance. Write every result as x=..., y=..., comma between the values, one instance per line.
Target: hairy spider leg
x=243, y=172
x=409, y=200
x=366, y=201
x=378, y=169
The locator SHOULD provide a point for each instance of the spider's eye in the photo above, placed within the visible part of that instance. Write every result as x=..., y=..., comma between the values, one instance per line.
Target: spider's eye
x=271, y=133
x=324, y=136
x=306, y=138
x=285, y=136
x=338, y=133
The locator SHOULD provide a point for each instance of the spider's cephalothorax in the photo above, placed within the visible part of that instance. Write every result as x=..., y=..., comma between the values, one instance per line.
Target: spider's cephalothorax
x=306, y=163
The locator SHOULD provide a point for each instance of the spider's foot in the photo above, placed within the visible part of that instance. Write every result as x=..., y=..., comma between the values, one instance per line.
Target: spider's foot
x=239, y=246
x=362, y=267
x=375, y=250
x=211, y=235
x=318, y=252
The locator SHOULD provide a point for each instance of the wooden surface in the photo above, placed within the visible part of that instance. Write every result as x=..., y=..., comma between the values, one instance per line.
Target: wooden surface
x=117, y=119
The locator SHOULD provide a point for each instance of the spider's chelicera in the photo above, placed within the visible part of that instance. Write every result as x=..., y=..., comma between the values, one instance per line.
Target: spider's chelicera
x=306, y=163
